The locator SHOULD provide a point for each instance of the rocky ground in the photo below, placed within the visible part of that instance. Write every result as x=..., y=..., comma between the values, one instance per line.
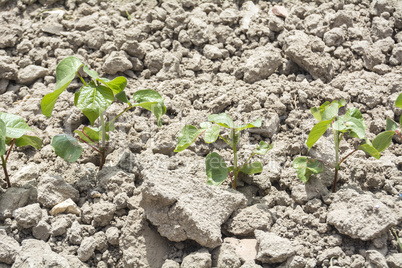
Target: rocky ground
x=149, y=206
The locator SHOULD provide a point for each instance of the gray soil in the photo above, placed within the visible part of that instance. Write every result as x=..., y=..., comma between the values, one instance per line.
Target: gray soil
x=151, y=207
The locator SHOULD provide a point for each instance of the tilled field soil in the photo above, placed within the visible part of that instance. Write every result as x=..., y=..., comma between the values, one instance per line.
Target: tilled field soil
x=151, y=207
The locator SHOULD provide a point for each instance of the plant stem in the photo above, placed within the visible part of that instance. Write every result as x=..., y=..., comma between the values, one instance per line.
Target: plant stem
x=82, y=79
x=103, y=147
x=349, y=154
x=93, y=147
x=235, y=169
x=337, y=141
x=9, y=150
x=4, y=164
x=117, y=116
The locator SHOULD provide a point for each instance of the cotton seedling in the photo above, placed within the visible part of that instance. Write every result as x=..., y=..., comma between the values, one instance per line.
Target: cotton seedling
x=216, y=168
x=351, y=123
x=93, y=99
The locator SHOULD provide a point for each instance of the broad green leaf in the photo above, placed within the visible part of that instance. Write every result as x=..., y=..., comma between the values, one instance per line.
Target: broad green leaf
x=368, y=148
x=152, y=101
x=318, y=111
x=327, y=111
x=25, y=140
x=205, y=125
x=121, y=96
x=398, y=102
x=256, y=123
x=117, y=85
x=187, y=136
x=353, y=112
x=222, y=119
x=66, y=147
x=391, y=125
x=15, y=125
x=252, y=168
x=383, y=140
x=93, y=74
x=216, y=168
x=93, y=101
x=211, y=134
x=263, y=148
x=65, y=73
x=316, y=132
x=357, y=127
x=306, y=166
x=91, y=135
x=2, y=137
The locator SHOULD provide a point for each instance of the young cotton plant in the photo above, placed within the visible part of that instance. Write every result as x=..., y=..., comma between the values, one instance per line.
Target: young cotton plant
x=93, y=98
x=351, y=123
x=12, y=133
x=216, y=168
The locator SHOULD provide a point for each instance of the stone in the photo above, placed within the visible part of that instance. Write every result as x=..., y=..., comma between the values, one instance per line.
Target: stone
x=101, y=241
x=28, y=216
x=103, y=213
x=381, y=28
x=67, y=206
x=115, y=180
x=9, y=248
x=27, y=174
x=53, y=190
x=86, y=249
x=8, y=68
x=244, y=221
x=31, y=73
x=60, y=225
x=212, y=52
x=36, y=253
x=171, y=67
x=229, y=16
x=53, y=28
x=373, y=56
x=197, y=31
x=396, y=57
x=262, y=63
x=280, y=11
x=136, y=49
x=3, y=85
x=334, y=37
x=394, y=260
x=116, y=62
x=248, y=13
x=360, y=215
x=328, y=253
x=12, y=199
x=270, y=125
x=301, y=193
x=226, y=255
x=273, y=248
x=86, y=23
x=319, y=66
x=189, y=210
x=9, y=35
x=42, y=230
x=112, y=235
x=198, y=259
x=154, y=60
x=376, y=259
x=170, y=264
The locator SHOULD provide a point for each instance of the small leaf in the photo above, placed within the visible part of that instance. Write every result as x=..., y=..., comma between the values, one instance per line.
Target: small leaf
x=93, y=74
x=353, y=112
x=398, y=102
x=383, y=140
x=211, y=134
x=216, y=168
x=263, y=148
x=65, y=73
x=15, y=125
x=327, y=111
x=305, y=167
x=152, y=101
x=117, y=85
x=252, y=168
x=222, y=119
x=93, y=101
x=391, y=125
x=66, y=147
x=121, y=96
x=187, y=136
x=368, y=148
x=316, y=132
x=91, y=135
x=2, y=137
x=25, y=140
x=357, y=128
x=256, y=123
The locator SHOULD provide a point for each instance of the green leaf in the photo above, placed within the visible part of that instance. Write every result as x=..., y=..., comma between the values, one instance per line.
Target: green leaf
x=222, y=119
x=2, y=137
x=316, y=132
x=263, y=148
x=25, y=140
x=357, y=128
x=93, y=101
x=216, y=168
x=121, y=96
x=368, y=148
x=256, y=123
x=305, y=167
x=327, y=111
x=117, y=85
x=398, y=102
x=391, y=125
x=187, y=136
x=152, y=101
x=211, y=134
x=252, y=168
x=15, y=125
x=66, y=147
x=383, y=140
x=65, y=73
x=353, y=112
x=91, y=135
x=93, y=74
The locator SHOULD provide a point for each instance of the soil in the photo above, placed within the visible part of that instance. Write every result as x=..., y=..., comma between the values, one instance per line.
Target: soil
x=151, y=207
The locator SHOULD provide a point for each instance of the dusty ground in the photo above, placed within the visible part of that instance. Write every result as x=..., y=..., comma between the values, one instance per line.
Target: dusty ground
x=150, y=207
